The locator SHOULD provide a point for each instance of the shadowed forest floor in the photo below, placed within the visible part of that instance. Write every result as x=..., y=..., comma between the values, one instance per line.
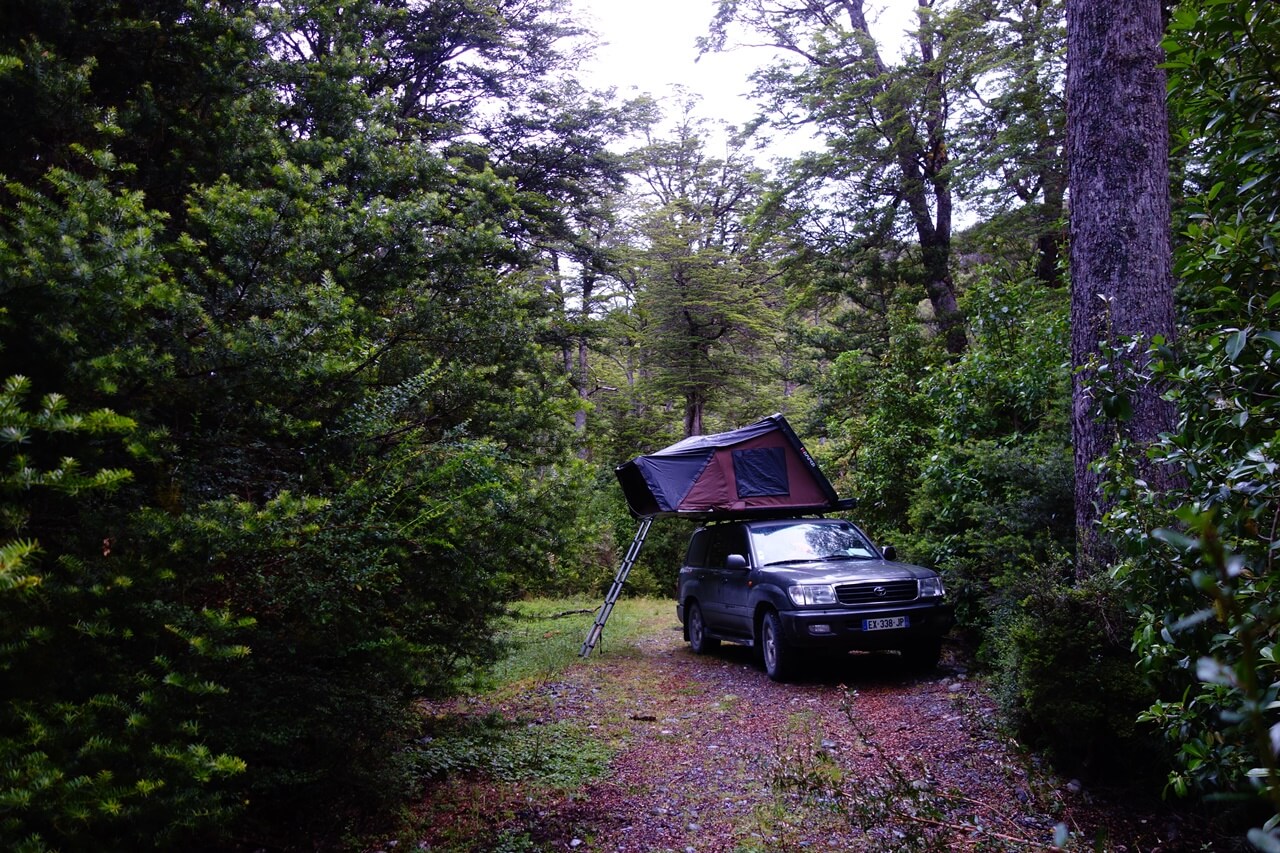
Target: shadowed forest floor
x=649, y=747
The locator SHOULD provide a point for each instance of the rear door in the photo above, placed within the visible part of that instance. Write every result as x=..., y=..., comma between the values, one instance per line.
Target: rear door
x=698, y=579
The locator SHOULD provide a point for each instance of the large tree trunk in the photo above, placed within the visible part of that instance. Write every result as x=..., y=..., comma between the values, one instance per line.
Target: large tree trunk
x=1121, y=279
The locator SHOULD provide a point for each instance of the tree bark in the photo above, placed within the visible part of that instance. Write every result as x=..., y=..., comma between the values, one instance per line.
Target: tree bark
x=926, y=183
x=1121, y=278
x=582, y=371
x=693, y=408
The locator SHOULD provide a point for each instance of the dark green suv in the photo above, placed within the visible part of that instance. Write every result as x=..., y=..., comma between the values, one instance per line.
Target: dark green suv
x=789, y=585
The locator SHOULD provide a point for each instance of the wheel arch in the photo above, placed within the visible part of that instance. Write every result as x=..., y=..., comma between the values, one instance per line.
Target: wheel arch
x=766, y=598
x=762, y=607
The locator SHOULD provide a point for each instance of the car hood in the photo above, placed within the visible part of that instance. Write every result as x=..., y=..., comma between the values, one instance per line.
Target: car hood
x=845, y=571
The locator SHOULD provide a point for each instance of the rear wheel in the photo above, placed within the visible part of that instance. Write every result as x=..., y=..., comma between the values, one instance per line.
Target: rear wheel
x=698, y=639
x=777, y=654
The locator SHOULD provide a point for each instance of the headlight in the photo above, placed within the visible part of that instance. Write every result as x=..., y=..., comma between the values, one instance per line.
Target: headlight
x=812, y=594
x=931, y=587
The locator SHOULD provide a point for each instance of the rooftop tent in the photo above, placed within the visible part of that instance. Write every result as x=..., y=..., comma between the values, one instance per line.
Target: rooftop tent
x=761, y=469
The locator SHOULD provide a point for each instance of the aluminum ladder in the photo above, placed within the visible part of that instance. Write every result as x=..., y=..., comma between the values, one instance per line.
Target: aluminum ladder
x=593, y=636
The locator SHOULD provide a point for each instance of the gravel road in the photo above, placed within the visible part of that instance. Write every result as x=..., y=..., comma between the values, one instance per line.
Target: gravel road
x=709, y=755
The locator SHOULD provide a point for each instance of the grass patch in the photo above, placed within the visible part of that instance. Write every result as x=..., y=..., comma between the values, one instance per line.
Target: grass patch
x=545, y=636
x=560, y=755
x=488, y=773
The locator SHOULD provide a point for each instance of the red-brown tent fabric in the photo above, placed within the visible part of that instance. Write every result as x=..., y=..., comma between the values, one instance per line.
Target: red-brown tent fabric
x=760, y=469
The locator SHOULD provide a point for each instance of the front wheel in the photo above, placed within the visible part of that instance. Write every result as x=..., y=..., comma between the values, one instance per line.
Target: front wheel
x=777, y=654
x=698, y=639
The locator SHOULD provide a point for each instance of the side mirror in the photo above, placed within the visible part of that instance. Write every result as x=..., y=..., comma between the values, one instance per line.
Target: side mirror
x=735, y=561
x=890, y=553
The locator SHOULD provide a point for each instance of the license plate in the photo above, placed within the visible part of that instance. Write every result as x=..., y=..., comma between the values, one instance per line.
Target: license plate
x=884, y=624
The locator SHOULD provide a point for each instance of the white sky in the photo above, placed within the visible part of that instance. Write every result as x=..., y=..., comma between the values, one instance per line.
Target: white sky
x=647, y=45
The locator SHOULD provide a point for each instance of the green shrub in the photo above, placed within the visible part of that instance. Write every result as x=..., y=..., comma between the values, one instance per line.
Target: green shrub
x=558, y=755
x=1068, y=679
x=881, y=425
x=1199, y=572
x=992, y=504
x=991, y=514
x=362, y=601
x=102, y=740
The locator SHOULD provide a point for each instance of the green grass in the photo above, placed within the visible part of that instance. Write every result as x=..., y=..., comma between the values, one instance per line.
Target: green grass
x=486, y=763
x=546, y=636
x=560, y=755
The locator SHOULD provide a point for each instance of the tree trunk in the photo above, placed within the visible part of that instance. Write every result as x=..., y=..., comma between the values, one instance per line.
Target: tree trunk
x=1049, y=244
x=693, y=408
x=582, y=372
x=926, y=182
x=1121, y=279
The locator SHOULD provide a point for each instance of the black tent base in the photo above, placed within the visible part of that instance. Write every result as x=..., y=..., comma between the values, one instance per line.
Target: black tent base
x=615, y=590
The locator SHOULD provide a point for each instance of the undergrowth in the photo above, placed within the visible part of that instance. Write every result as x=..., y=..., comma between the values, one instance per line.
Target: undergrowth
x=482, y=776
x=560, y=755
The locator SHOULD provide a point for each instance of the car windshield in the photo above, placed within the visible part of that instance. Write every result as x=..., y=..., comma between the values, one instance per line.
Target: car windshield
x=809, y=541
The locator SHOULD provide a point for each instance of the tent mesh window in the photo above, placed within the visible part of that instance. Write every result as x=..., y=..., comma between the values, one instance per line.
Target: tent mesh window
x=761, y=472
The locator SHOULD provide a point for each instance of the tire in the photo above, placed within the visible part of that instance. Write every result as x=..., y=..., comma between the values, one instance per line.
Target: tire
x=776, y=654
x=923, y=656
x=697, y=627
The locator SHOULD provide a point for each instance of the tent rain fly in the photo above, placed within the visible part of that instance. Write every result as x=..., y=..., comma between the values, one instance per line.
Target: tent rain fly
x=760, y=469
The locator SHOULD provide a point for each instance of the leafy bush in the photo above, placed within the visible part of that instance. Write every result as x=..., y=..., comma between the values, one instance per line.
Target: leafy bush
x=559, y=755
x=361, y=601
x=993, y=515
x=350, y=454
x=994, y=500
x=1067, y=678
x=101, y=732
x=880, y=422
x=1199, y=575
x=1199, y=568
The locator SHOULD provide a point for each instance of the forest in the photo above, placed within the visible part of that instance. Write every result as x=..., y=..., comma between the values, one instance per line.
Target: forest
x=323, y=326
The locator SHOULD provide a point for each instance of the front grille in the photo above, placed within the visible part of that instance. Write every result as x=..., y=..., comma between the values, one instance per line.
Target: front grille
x=877, y=592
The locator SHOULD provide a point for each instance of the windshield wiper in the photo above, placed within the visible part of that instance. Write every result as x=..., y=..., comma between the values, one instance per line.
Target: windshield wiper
x=830, y=558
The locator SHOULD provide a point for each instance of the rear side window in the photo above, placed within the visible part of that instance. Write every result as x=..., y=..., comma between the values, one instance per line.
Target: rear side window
x=697, y=554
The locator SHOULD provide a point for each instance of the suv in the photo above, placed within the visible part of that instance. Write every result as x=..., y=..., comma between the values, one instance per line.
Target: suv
x=793, y=584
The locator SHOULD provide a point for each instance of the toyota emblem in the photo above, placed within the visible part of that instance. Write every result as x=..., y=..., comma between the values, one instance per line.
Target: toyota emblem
x=879, y=591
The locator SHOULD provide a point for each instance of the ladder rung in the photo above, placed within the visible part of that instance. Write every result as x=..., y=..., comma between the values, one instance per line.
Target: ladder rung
x=615, y=589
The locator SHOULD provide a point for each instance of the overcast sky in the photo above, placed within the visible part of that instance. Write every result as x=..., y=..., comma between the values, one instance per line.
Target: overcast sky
x=647, y=45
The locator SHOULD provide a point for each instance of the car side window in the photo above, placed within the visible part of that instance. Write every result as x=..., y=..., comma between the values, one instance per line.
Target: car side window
x=697, y=554
x=737, y=537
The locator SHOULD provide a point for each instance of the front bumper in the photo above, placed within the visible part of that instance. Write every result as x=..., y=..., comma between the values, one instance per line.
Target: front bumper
x=846, y=629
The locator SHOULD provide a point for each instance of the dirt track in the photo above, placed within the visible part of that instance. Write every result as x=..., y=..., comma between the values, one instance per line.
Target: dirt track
x=709, y=755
